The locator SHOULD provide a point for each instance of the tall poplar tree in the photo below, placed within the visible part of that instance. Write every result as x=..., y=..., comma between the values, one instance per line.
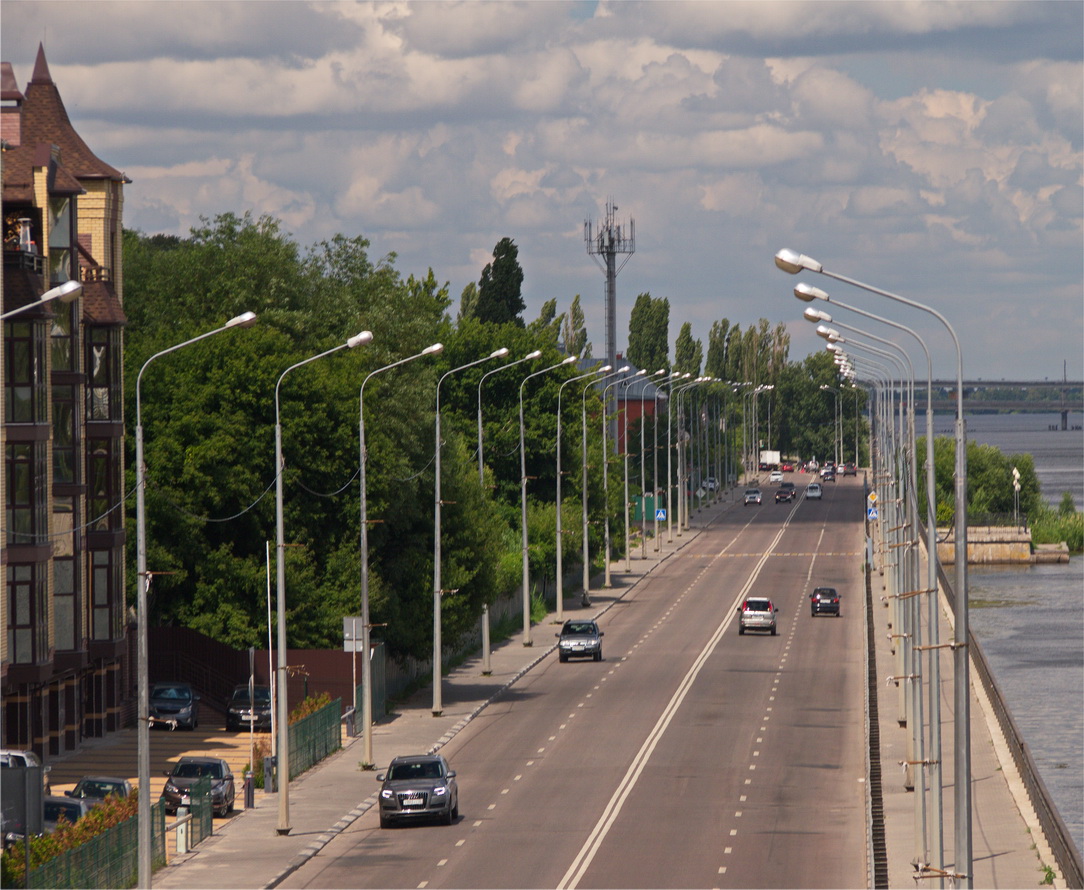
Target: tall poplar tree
x=649, y=333
x=688, y=353
x=500, y=298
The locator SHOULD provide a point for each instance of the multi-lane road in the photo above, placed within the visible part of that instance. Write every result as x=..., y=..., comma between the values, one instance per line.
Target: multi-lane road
x=690, y=756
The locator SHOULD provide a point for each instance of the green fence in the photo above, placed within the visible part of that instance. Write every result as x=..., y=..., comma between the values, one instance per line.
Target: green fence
x=203, y=811
x=314, y=737
x=107, y=860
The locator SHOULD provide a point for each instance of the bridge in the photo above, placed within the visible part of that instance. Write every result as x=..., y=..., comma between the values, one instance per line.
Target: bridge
x=1034, y=396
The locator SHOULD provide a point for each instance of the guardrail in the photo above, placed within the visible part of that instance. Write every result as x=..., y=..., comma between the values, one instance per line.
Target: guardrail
x=1057, y=833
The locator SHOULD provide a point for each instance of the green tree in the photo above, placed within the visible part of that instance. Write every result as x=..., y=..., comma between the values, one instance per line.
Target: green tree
x=548, y=324
x=688, y=353
x=499, y=290
x=649, y=333
x=574, y=331
x=716, y=362
x=468, y=302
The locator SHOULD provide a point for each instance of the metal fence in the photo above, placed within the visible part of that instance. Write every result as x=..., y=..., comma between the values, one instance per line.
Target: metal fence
x=202, y=810
x=110, y=859
x=314, y=737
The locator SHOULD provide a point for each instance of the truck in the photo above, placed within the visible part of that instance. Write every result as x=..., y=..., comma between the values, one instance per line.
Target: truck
x=769, y=460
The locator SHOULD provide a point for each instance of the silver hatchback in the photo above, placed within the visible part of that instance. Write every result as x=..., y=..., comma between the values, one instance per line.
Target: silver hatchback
x=757, y=613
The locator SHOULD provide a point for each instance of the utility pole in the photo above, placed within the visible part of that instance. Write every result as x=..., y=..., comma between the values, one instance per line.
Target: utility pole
x=604, y=243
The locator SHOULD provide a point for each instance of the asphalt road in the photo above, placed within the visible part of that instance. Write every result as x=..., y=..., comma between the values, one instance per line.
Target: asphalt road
x=689, y=757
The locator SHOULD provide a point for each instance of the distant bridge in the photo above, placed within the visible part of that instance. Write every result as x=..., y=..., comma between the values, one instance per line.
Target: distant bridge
x=1033, y=396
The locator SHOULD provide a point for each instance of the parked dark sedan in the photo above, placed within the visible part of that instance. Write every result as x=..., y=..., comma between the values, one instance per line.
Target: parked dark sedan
x=173, y=705
x=244, y=711
x=418, y=786
x=98, y=788
x=824, y=601
x=188, y=770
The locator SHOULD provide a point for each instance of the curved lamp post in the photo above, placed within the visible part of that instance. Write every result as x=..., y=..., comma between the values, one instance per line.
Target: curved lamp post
x=792, y=262
x=282, y=705
x=366, y=665
x=677, y=375
x=625, y=384
x=143, y=738
x=438, y=705
x=586, y=542
x=65, y=292
x=523, y=500
x=560, y=569
x=487, y=668
x=655, y=453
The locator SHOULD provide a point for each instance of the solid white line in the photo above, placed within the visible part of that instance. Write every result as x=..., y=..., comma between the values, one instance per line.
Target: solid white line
x=598, y=834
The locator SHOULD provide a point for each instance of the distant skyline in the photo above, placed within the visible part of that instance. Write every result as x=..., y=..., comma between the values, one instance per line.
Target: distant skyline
x=930, y=149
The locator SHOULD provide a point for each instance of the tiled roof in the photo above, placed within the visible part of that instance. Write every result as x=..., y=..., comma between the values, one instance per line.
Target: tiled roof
x=100, y=304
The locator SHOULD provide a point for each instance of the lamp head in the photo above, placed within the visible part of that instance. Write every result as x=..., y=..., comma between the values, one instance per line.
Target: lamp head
x=623, y=370
x=435, y=349
x=361, y=339
x=499, y=353
x=816, y=315
x=807, y=293
x=65, y=292
x=793, y=262
x=604, y=369
x=570, y=360
x=536, y=354
x=244, y=320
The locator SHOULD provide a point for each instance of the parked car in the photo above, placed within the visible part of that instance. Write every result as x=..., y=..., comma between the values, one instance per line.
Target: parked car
x=775, y=476
x=243, y=711
x=188, y=770
x=813, y=491
x=98, y=788
x=579, y=639
x=786, y=493
x=67, y=808
x=174, y=704
x=711, y=484
x=10, y=757
x=757, y=613
x=850, y=470
x=752, y=496
x=419, y=786
x=824, y=600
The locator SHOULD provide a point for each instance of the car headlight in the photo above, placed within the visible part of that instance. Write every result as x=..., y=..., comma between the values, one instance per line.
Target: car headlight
x=387, y=793
x=170, y=787
x=440, y=790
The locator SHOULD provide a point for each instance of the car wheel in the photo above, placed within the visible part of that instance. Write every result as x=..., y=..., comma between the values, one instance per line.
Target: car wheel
x=455, y=809
x=813, y=613
x=449, y=817
x=741, y=631
x=773, y=631
x=598, y=655
x=561, y=656
x=385, y=822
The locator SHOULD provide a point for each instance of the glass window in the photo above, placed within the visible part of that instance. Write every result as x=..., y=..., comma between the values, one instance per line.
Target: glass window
x=65, y=431
x=28, y=616
x=26, y=521
x=106, y=594
x=64, y=603
x=103, y=355
x=63, y=326
x=103, y=484
x=24, y=372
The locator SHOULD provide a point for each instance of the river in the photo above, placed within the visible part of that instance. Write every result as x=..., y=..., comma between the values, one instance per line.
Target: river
x=1030, y=619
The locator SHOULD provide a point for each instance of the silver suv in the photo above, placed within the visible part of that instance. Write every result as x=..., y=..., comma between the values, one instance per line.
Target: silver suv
x=757, y=613
x=416, y=787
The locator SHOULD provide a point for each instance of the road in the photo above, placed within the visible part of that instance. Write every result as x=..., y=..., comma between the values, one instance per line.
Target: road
x=690, y=756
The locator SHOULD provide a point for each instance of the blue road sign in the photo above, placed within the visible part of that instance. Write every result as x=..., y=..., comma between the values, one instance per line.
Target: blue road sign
x=871, y=513
x=660, y=513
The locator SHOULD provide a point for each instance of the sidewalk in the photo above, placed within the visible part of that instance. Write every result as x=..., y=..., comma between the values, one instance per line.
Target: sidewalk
x=247, y=852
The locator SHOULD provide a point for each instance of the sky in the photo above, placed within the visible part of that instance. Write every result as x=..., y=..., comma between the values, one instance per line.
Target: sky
x=929, y=149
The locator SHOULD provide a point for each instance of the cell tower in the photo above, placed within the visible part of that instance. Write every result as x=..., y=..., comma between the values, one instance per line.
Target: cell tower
x=604, y=244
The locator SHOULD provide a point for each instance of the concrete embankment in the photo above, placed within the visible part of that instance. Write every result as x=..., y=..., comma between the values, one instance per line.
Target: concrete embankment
x=999, y=545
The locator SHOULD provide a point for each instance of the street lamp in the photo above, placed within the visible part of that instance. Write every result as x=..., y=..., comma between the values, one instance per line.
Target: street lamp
x=626, y=383
x=282, y=705
x=523, y=500
x=560, y=569
x=366, y=666
x=792, y=262
x=655, y=453
x=677, y=375
x=586, y=545
x=486, y=665
x=438, y=705
x=65, y=292
x=835, y=419
x=143, y=738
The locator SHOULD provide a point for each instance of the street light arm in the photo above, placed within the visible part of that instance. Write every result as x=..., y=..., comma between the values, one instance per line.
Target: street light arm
x=65, y=292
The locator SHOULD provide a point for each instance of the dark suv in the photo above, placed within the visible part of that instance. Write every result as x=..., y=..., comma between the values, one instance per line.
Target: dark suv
x=177, y=791
x=579, y=639
x=824, y=601
x=416, y=787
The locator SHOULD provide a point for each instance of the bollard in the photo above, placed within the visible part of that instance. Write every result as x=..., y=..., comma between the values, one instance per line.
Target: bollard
x=182, y=830
x=350, y=719
x=250, y=790
x=269, y=783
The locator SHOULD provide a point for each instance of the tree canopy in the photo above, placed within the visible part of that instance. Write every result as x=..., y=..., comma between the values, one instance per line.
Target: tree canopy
x=500, y=298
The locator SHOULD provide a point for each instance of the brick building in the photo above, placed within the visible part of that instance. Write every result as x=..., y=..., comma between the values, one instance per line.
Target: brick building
x=63, y=657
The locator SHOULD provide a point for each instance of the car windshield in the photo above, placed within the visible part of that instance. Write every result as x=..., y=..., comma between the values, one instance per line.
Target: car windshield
x=261, y=695
x=579, y=627
x=196, y=770
x=178, y=693
x=54, y=809
x=425, y=770
x=94, y=788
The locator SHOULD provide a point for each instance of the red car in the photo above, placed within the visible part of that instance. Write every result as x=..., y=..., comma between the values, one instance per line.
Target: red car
x=787, y=468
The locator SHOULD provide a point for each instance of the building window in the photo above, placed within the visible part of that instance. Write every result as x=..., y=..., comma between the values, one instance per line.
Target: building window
x=65, y=431
x=103, y=485
x=28, y=618
x=104, y=393
x=105, y=593
x=64, y=628
x=26, y=519
x=61, y=335
x=24, y=372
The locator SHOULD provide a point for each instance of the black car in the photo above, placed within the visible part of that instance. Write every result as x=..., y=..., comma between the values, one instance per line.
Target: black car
x=69, y=809
x=243, y=710
x=98, y=788
x=579, y=639
x=824, y=601
x=173, y=705
x=418, y=786
x=188, y=770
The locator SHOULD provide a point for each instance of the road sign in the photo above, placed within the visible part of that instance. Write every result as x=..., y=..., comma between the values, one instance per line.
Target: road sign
x=872, y=498
x=871, y=513
x=660, y=513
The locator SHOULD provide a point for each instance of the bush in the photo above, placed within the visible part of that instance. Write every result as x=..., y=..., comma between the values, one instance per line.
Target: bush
x=1052, y=527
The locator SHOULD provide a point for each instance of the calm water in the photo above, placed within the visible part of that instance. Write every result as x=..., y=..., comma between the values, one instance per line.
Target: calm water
x=1030, y=620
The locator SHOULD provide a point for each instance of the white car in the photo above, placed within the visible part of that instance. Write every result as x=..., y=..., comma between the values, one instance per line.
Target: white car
x=813, y=491
x=775, y=476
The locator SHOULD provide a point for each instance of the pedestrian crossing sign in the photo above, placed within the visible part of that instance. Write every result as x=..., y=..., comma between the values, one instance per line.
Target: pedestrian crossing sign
x=660, y=513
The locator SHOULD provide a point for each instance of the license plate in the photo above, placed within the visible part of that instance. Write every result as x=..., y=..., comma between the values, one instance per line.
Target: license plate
x=412, y=801
x=185, y=801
